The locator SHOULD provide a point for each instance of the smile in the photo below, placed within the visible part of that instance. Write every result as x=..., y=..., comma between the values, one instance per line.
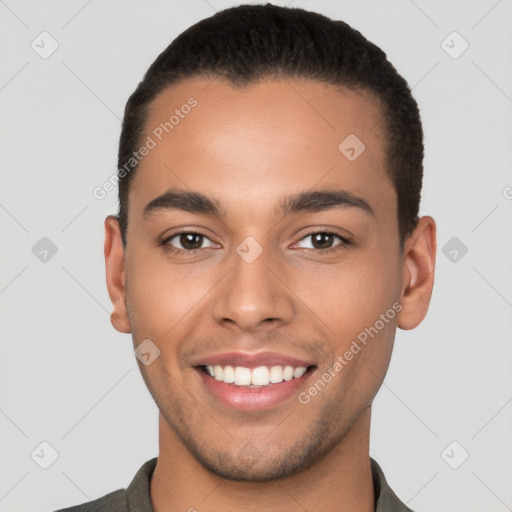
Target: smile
x=254, y=377
x=252, y=382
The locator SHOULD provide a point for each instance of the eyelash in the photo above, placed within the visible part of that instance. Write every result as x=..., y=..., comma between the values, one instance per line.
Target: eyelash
x=345, y=241
x=174, y=250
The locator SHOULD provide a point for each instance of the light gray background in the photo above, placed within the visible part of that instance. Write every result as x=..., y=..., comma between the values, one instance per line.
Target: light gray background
x=68, y=378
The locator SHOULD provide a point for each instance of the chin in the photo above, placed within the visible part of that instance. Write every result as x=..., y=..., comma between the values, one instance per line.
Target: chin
x=249, y=464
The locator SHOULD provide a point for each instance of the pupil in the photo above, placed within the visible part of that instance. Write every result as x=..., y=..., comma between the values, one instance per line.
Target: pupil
x=191, y=240
x=322, y=240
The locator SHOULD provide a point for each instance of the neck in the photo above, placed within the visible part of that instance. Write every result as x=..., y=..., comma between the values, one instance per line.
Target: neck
x=340, y=480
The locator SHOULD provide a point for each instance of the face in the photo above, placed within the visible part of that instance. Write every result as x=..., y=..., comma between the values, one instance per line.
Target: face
x=263, y=262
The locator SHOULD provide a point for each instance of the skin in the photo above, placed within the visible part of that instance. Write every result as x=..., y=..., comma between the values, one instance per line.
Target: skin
x=249, y=148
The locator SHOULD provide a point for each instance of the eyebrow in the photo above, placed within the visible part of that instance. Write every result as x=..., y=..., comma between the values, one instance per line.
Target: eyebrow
x=320, y=200
x=192, y=202
x=309, y=201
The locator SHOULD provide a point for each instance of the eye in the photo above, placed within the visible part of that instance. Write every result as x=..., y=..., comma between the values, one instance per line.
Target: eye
x=322, y=240
x=187, y=241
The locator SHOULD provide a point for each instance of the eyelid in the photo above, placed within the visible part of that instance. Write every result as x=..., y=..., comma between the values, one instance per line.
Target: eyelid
x=344, y=240
x=196, y=231
x=165, y=241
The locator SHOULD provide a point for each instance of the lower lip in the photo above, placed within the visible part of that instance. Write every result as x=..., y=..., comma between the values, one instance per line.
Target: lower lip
x=247, y=398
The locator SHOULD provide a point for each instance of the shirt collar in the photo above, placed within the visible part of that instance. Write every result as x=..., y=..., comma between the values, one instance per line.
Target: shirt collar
x=139, y=500
x=385, y=499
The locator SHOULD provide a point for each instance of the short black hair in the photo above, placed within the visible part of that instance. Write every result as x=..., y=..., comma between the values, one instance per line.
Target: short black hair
x=251, y=43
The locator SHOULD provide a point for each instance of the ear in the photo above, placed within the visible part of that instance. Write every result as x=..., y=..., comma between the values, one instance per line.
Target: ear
x=419, y=259
x=114, y=265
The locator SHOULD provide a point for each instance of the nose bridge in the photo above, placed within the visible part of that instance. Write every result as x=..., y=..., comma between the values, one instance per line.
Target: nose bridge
x=253, y=295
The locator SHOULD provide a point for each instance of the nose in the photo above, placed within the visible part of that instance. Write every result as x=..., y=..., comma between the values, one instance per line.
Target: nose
x=254, y=296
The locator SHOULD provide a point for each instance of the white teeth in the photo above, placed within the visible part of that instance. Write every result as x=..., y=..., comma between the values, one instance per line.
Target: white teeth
x=288, y=373
x=242, y=376
x=299, y=372
x=276, y=374
x=260, y=376
x=229, y=375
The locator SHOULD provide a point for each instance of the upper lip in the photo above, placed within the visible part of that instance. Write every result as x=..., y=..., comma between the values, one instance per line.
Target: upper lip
x=251, y=360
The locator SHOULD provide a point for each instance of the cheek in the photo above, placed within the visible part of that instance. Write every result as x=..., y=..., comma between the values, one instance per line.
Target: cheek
x=350, y=296
x=160, y=296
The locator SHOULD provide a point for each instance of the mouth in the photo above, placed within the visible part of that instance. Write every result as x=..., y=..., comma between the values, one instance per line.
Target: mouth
x=254, y=377
x=248, y=387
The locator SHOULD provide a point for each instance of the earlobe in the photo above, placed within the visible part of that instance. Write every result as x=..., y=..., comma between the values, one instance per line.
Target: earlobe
x=115, y=274
x=418, y=273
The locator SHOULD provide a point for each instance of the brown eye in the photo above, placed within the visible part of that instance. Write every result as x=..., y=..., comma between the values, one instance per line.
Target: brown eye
x=191, y=240
x=322, y=240
x=188, y=242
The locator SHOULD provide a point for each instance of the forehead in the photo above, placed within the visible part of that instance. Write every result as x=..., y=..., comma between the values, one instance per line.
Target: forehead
x=263, y=140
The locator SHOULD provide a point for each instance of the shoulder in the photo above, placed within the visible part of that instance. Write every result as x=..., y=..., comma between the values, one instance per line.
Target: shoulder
x=136, y=497
x=385, y=499
x=113, y=502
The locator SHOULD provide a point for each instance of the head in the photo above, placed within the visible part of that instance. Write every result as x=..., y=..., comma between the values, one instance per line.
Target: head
x=291, y=150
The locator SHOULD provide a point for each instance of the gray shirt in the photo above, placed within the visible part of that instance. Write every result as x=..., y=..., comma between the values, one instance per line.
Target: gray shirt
x=136, y=497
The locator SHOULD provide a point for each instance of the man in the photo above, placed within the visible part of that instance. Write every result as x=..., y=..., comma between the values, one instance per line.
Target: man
x=266, y=249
